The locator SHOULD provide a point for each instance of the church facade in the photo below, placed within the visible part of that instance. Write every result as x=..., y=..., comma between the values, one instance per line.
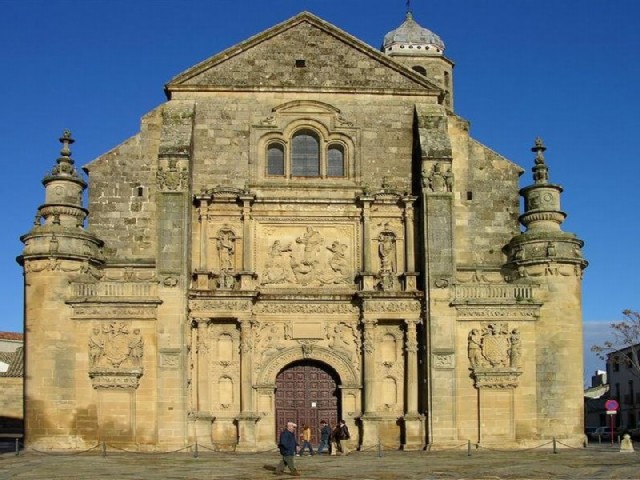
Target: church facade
x=304, y=230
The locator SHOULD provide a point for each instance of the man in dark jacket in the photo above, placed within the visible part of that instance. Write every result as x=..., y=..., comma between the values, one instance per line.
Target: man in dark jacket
x=325, y=433
x=287, y=445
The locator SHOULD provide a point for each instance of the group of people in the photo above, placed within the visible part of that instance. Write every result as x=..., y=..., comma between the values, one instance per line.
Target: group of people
x=330, y=439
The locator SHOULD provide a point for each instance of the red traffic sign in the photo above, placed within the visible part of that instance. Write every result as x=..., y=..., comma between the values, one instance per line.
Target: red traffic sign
x=611, y=405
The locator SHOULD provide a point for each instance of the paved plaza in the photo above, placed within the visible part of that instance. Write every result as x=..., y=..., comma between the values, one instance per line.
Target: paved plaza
x=594, y=462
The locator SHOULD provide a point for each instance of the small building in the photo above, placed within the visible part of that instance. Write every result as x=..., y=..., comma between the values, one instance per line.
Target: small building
x=594, y=399
x=11, y=382
x=623, y=374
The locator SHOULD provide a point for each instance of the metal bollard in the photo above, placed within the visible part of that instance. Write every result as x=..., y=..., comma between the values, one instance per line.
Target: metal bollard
x=555, y=449
x=195, y=452
x=379, y=449
x=104, y=449
x=468, y=448
x=17, y=446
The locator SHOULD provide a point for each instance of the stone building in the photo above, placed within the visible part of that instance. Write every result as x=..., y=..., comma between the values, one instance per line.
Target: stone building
x=304, y=230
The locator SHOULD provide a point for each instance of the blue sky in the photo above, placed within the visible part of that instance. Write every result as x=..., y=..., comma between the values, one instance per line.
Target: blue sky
x=568, y=71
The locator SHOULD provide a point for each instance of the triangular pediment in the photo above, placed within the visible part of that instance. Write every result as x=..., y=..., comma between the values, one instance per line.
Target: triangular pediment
x=304, y=52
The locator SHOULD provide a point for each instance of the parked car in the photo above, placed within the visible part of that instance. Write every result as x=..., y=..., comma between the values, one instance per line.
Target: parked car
x=603, y=434
x=588, y=431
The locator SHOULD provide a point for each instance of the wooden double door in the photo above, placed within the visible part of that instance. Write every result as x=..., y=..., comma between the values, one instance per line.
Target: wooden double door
x=306, y=393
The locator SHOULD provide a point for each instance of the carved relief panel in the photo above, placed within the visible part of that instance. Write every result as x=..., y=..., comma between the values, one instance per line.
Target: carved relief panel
x=116, y=353
x=390, y=365
x=223, y=369
x=306, y=255
x=495, y=354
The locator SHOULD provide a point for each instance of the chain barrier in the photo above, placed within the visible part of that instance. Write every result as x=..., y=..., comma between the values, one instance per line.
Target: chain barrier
x=479, y=447
x=61, y=454
x=196, y=448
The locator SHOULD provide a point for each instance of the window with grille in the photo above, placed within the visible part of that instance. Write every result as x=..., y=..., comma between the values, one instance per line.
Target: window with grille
x=305, y=155
x=335, y=161
x=275, y=160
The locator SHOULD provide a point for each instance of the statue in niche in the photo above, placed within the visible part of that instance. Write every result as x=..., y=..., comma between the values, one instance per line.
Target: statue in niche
x=475, y=348
x=387, y=250
x=387, y=254
x=278, y=267
x=338, y=262
x=305, y=270
x=515, y=351
x=226, y=249
x=96, y=347
x=436, y=179
x=448, y=180
x=136, y=348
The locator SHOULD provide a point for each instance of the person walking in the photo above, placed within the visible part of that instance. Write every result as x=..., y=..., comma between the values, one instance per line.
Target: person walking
x=306, y=440
x=341, y=433
x=325, y=433
x=287, y=445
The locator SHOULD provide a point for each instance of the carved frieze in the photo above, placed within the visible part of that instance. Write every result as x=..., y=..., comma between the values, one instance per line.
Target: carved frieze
x=496, y=378
x=122, y=312
x=330, y=308
x=392, y=306
x=56, y=264
x=105, y=379
x=231, y=305
x=506, y=313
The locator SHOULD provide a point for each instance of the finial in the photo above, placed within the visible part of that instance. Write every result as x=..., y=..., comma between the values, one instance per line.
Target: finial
x=66, y=141
x=64, y=163
x=539, y=149
x=409, y=14
x=540, y=170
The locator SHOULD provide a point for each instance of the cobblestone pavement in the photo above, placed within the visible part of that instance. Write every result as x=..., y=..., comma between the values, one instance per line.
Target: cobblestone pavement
x=594, y=462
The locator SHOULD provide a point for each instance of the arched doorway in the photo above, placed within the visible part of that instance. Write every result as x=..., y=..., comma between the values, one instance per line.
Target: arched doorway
x=306, y=392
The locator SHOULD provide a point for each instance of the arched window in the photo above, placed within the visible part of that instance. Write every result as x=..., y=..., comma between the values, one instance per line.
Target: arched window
x=335, y=161
x=420, y=70
x=305, y=154
x=446, y=79
x=275, y=160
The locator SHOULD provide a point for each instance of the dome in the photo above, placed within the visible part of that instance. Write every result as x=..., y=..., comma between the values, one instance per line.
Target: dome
x=410, y=35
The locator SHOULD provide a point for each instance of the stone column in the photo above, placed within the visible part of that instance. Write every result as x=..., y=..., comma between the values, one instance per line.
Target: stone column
x=203, y=217
x=412, y=367
x=368, y=277
x=246, y=360
x=410, y=259
x=370, y=418
x=414, y=422
x=247, y=418
x=194, y=363
x=370, y=382
x=201, y=275
x=247, y=275
x=204, y=402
